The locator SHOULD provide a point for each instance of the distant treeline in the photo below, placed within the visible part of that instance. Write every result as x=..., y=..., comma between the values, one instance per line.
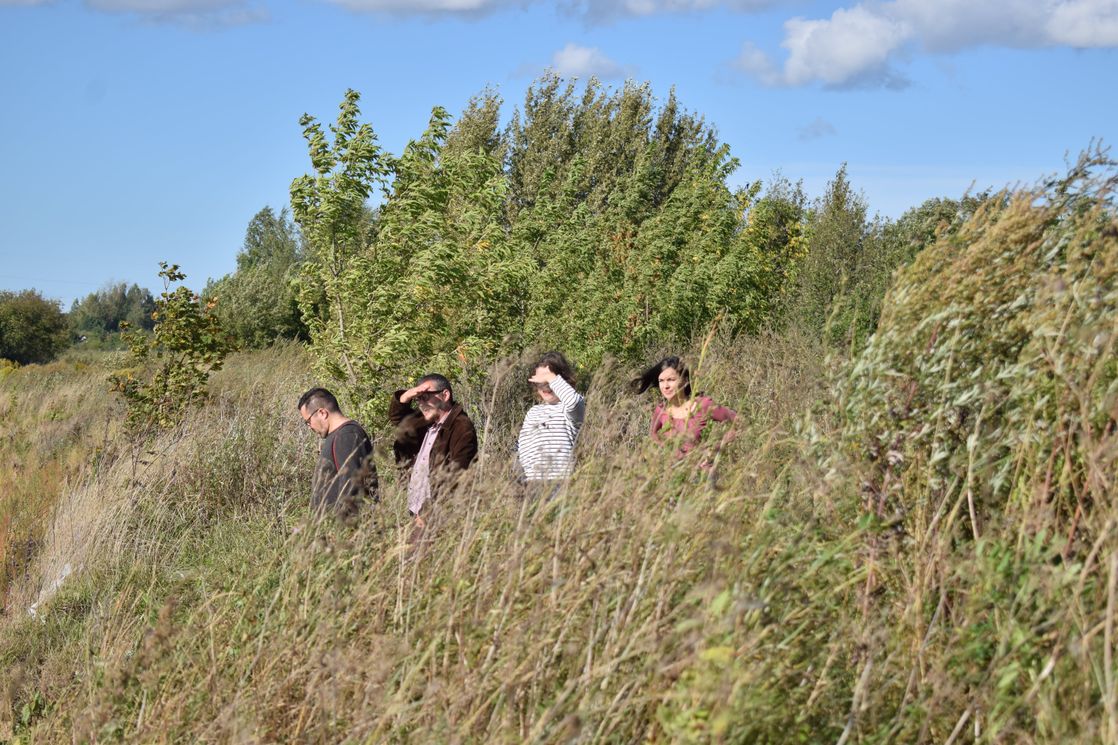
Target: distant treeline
x=34, y=329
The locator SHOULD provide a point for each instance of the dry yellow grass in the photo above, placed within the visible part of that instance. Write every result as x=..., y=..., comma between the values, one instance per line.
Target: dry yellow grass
x=859, y=569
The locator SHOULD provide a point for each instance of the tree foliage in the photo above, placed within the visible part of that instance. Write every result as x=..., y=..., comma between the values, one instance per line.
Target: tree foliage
x=32, y=328
x=171, y=366
x=600, y=222
x=850, y=259
x=838, y=238
x=597, y=222
x=257, y=304
x=99, y=315
x=330, y=208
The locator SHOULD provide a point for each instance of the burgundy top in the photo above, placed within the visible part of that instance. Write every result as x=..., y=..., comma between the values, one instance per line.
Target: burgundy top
x=688, y=431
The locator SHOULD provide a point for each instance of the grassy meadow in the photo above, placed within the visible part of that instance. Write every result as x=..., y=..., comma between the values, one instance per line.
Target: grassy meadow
x=910, y=542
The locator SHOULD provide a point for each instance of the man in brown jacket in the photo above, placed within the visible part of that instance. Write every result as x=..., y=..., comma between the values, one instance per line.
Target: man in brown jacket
x=434, y=438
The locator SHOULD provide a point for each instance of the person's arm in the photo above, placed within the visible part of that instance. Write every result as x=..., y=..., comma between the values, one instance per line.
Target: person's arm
x=723, y=414
x=574, y=405
x=657, y=423
x=399, y=408
x=410, y=427
x=569, y=398
x=351, y=447
x=462, y=447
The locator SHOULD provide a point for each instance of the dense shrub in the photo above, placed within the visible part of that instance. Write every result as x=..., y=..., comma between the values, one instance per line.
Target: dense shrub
x=983, y=417
x=32, y=328
x=1006, y=322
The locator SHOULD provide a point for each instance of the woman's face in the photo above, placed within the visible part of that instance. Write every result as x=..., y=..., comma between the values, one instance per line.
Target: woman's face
x=670, y=383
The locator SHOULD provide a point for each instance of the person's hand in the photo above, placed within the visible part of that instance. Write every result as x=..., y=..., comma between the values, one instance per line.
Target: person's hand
x=420, y=522
x=411, y=393
x=543, y=374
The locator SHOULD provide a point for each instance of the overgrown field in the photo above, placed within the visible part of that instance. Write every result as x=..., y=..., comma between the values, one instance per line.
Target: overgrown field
x=917, y=544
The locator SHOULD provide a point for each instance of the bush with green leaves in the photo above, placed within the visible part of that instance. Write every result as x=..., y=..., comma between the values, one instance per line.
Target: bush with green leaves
x=171, y=365
x=996, y=326
x=32, y=328
x=983, y=419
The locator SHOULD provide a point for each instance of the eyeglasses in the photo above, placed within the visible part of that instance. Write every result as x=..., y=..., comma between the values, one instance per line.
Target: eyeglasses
x=427, y=396
x=541, y=387
x=307, y=419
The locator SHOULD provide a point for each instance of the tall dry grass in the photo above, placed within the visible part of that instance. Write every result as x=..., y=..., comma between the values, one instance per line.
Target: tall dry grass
x=215, y=601
x=55, y=427
x=918, y=545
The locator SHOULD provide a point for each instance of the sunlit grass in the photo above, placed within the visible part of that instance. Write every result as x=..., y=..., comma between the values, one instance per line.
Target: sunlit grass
x=859, y=568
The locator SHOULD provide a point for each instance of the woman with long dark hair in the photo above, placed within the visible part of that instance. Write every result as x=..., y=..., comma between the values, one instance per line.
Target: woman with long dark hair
x=547, y=437
x=681, y=418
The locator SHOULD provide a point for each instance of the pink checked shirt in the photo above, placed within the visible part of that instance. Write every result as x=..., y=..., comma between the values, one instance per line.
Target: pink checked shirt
x=688, y=432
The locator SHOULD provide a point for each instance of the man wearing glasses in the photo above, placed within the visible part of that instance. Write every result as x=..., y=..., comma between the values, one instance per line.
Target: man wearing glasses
x=434, y=438
x=345, y=475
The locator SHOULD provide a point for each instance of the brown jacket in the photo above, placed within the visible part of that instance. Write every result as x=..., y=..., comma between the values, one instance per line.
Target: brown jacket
x=455, y=445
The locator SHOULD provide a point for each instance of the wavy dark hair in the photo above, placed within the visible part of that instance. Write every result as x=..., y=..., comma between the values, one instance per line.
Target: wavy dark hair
x=651, y=377
x=558, y=364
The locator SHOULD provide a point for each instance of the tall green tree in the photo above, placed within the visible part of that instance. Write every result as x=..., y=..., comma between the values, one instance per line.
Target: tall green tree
x=838, y=235
x=608, y=189
x=32, y=328
x=599, y=221
x=330, y=207
x=850, y=260
x=258, y=303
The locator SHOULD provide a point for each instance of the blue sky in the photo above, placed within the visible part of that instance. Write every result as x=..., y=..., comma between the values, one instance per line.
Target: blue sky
x=140, y=130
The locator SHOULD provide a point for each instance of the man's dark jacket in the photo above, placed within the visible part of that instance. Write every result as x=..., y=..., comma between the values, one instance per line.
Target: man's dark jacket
x=345, y=475
x=455, y=444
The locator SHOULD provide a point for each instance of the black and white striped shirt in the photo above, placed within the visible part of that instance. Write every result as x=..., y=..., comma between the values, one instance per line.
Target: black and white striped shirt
x=547, y=437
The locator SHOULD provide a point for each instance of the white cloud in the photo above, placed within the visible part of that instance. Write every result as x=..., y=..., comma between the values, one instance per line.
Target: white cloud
x=591, y=10
x=425, y=7
x=583, y=62
x=861, y=45
x=817, y=129
x=197, y=14
x=853, y=43
x=604, y=10
x=1087, y=23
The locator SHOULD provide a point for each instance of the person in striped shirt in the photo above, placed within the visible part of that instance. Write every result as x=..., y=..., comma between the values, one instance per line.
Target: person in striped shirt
x=547, y=437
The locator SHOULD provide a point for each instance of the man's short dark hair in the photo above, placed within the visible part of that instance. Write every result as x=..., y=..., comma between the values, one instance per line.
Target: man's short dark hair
x=319, y=398
x=440, y=381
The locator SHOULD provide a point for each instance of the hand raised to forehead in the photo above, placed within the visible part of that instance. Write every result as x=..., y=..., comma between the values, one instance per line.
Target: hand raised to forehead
x=427, y=387
x=543, y=374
